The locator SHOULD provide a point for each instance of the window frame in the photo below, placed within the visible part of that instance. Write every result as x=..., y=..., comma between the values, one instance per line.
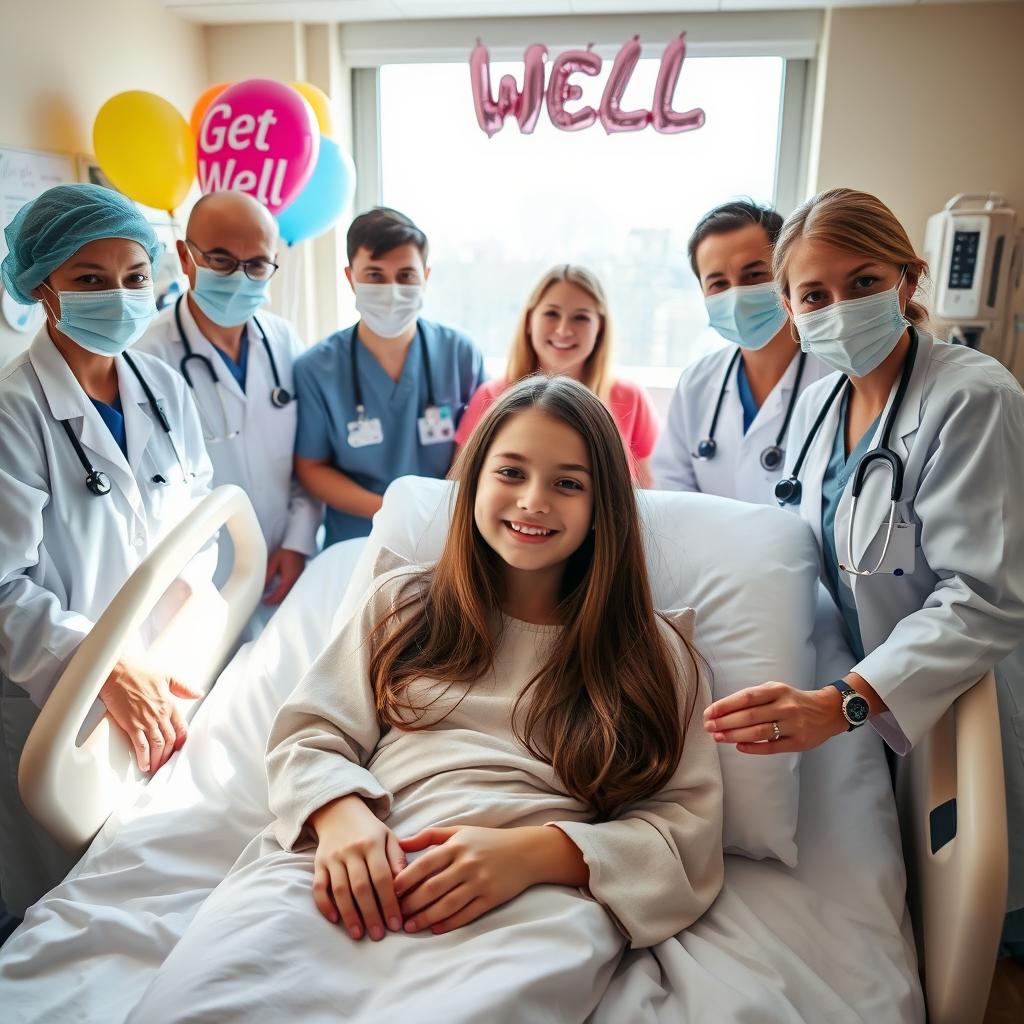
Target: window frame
x=792, y=151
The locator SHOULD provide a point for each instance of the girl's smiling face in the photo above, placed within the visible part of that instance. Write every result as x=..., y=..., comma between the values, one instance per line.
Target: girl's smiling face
x=534, y=498
x=564, y=328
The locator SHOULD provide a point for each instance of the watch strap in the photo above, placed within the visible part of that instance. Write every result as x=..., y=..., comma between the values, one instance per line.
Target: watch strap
x=848, y=693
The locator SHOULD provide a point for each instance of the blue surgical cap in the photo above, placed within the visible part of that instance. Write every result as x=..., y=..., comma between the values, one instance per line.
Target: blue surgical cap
x=49, y=230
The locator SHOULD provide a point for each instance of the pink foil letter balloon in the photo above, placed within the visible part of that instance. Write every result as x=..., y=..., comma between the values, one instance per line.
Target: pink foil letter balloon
x=260, y=137
x=525, y=105
x=613, y=117
x=663, y=117
x=561, y=91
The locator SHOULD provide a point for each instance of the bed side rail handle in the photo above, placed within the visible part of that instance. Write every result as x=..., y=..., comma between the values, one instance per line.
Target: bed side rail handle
x=957, y=853
x=71, y=787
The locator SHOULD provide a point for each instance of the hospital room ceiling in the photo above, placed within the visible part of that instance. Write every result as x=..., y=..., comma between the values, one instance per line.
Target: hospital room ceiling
x=224, y=11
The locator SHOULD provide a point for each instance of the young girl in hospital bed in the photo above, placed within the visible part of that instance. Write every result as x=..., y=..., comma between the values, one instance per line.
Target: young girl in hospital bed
x=565, y=328
x=497, y=767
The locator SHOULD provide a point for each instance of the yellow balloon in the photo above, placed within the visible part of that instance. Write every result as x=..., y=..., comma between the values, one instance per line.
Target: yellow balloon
x=145, y=147
x=321, y=104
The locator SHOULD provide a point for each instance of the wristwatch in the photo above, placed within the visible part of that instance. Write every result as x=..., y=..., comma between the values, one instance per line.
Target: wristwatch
x=855, y=707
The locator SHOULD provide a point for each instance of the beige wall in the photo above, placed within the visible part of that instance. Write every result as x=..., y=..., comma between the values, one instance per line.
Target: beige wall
x=919, y=103
x=60, y=60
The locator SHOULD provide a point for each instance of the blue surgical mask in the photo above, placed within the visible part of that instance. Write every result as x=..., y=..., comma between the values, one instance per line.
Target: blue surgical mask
x=856, y=335
x=749, y=316
x=106, y=323
x=228, y=299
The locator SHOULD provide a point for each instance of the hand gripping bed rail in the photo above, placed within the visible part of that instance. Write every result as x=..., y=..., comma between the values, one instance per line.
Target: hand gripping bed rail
x=70, y=786
x=952, y=803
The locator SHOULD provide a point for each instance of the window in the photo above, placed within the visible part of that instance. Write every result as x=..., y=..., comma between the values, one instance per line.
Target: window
x=500, y=211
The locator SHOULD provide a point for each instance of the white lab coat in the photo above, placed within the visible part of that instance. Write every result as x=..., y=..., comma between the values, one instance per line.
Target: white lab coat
x=736, y=470
x=65, y=552
x=931, y=633
x=259, y=458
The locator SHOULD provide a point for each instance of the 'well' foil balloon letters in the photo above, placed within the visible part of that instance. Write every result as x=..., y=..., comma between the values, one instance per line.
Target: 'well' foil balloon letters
x=524, y=104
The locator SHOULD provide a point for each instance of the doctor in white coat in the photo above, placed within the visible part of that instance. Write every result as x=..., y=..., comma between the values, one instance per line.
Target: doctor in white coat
x=239, y=368
x=101, y=453
x=936, y=599
x=729, y=421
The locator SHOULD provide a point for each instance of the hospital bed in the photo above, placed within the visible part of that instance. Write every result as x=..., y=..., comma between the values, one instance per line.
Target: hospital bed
x=830, y=938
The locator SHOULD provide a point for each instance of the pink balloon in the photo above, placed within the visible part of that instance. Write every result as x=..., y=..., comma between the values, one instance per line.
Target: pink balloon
x=259, y=136
x=663, y=117
x=613, y=117
x=561, y=91
x=524, y=105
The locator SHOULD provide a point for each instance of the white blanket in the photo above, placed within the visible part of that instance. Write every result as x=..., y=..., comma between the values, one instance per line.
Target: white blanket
x=826, y=941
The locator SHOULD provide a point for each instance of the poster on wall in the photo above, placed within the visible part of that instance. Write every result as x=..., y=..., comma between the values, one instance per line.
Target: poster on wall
x=24, y=174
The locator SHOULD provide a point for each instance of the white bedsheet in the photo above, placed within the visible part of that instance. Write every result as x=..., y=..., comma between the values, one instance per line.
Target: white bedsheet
x=826, y=941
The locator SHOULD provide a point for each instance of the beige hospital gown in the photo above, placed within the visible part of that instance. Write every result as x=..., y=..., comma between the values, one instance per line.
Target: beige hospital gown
x=259, y=950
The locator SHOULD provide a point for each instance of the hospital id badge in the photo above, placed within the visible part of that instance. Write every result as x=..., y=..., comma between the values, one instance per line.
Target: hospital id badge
x=436, y=425
x=363, y=433
x=900, y=556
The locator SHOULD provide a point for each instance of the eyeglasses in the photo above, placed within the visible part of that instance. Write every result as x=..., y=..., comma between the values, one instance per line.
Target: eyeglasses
x=256, y=269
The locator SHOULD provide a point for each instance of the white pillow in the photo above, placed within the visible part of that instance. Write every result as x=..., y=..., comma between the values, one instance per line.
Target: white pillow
x=750, y=572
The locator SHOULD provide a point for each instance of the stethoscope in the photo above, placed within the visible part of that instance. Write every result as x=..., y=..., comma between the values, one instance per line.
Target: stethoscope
x=773, y=455
x=97, y=481
x=790, y=491
x=279, y=396
x=357, y=388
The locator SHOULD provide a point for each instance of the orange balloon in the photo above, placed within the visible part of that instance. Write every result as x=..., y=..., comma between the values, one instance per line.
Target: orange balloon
x=203, y=104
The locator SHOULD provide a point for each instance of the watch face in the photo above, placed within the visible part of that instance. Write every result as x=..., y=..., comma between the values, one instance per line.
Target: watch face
x=856, y=710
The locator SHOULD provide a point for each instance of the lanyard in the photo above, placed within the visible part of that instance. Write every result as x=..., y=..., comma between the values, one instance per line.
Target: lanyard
x=357, y=389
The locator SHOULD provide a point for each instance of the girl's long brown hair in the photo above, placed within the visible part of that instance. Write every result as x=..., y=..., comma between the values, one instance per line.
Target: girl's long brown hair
x=603, y=710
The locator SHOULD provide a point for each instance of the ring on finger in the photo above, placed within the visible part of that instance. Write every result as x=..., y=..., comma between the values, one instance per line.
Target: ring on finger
x=776, y=732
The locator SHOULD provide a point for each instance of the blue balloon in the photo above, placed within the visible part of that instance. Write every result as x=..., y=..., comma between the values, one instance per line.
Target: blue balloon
x=323, y=199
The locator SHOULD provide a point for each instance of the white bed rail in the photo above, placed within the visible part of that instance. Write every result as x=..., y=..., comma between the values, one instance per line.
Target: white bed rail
x=70, y=785
x=957, y=892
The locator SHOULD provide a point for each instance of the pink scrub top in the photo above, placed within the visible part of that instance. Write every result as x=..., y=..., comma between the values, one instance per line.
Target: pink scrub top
x=628, y=403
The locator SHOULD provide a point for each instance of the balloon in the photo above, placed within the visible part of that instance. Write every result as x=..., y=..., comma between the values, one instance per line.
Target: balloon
x=613, y=117
x=259, y=136
x=323, y=199
x=321, y=104
x=144, y=146
x=560, y=91
x=203, y=104
x=525, y=105
x=663, y=117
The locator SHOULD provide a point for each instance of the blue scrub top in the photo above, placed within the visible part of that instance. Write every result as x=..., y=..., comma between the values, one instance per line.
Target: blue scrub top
x=747, y=399
x=238, y=369
x=113, y=416
x=326, y=405
x=837, y=475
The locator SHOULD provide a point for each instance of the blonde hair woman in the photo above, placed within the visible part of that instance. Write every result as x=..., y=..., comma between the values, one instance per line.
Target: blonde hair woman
x=928, y=573
x=565, y=329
